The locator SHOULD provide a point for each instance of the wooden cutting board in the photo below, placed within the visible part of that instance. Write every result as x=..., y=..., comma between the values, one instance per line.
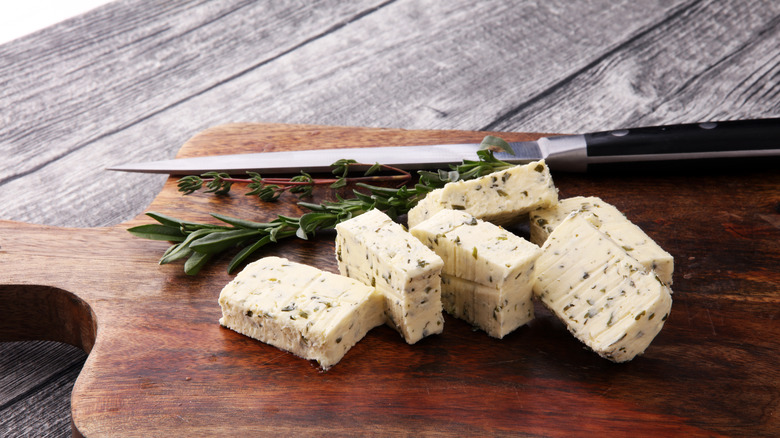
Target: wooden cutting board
x=160, y=364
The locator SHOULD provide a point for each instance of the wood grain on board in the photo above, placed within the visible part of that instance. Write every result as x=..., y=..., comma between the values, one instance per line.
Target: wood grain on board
x=134, y=79
x=160, y=364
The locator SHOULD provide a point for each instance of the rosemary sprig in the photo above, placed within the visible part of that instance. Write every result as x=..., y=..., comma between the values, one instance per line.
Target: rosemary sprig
x=198, y=242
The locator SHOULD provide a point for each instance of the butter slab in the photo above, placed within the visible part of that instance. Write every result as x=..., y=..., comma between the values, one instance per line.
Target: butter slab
x=487, y=276
x=613, y=223
x=376, y=251
x=499, y=197
x=313, y=314
x=606, y=298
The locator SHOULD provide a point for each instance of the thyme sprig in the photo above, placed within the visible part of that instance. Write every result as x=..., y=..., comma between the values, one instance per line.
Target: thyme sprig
x=270, y=189
x=198, y=243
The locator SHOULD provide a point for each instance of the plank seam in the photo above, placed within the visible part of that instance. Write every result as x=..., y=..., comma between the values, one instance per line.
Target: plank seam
x=752, y=41
x=570, y=78
x=43, y=384
x=305, y=42
x=201, y=25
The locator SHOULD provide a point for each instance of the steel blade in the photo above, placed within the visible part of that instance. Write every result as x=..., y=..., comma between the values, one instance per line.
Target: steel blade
x=319, y=160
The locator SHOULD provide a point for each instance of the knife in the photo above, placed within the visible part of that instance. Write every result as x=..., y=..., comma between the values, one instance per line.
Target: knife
x=574, y=153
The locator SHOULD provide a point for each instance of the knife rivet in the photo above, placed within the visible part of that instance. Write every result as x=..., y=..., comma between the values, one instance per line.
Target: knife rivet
x=708, y=125
x=620, y=132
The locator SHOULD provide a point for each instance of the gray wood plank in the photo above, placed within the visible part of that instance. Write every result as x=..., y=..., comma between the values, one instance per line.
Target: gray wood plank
x=133, y=80
x=25, y=365
x=707, y=61
x=402, y=64
x=36, y=379
x=124, y=63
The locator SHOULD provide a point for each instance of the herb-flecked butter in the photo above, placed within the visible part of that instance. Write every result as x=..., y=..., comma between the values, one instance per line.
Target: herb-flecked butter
x=499, y=197
x=373, y=249
x=614, y=223
x=606, y=298
x=488, y=271
x=313, y=314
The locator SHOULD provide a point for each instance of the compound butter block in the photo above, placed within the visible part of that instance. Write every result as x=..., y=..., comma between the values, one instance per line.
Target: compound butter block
x=488, y=272
x=499, y=197
x=373, y=249
x=606, y=298
x=613, y=223
x=300, y=309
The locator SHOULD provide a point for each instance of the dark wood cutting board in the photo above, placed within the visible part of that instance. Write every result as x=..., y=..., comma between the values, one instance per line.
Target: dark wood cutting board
x=160, y=364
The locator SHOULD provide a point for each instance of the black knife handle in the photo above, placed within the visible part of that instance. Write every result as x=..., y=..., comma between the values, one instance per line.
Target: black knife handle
x=697, y=140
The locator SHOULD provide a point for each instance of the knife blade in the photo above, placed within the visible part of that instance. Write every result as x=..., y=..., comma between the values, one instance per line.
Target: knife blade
x=571, y=153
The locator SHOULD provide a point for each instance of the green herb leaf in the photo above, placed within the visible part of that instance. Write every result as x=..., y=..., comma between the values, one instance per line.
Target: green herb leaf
x=218, y=184
x=213, y=243
x=302, y=190
x=194, y=264
x=496, y=144
x=341, y=167
x=183, y=249
x=190, y=184
x=373, y=169
x=246, y=252
x=158, y=232
x=341, y=182
x=167, y=220
x=243, y=223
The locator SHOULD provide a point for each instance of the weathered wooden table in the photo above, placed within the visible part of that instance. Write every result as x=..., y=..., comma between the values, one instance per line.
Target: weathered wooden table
x=134, y=80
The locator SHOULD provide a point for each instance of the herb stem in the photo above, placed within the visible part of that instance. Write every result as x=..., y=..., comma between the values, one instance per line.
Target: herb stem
x=318, y=181
x=199, y=243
